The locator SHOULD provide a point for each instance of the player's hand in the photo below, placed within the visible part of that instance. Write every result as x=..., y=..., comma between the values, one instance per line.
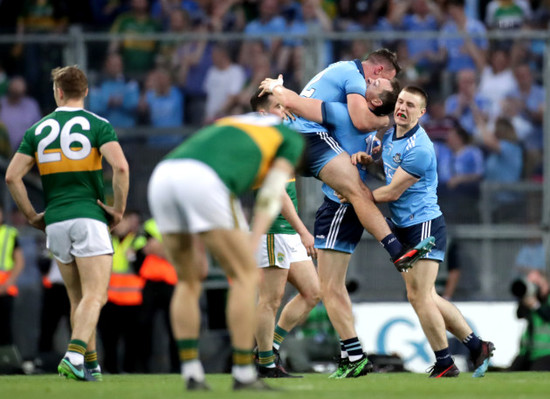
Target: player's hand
x=361, y=157
x=289, y=115
x=309, y=243
x=342, y=199
x=114, y=216
x=269, y=84
x=38, y=221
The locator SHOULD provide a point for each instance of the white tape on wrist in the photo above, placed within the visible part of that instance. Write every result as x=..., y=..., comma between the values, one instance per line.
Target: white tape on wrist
x=275, y=83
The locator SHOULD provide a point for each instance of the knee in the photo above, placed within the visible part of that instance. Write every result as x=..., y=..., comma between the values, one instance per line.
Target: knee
x=312, y=296
x=415, y=297
x=331, y=288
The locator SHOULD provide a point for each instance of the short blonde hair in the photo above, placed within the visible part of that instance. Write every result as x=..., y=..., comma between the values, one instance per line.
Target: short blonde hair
x=71, y=80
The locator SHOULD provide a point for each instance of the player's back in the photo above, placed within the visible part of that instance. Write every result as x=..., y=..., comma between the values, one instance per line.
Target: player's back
x=240, y=149
x=65, y=145
x=332, y=84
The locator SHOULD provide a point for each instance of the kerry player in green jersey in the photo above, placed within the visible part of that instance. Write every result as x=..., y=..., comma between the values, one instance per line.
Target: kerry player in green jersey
x=68, y=146
x=193, y=193
x=284, y=254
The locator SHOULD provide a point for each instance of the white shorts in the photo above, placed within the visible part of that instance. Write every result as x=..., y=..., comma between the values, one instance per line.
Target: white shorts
x=187, y=196
x=280, y=250
x=81, y=238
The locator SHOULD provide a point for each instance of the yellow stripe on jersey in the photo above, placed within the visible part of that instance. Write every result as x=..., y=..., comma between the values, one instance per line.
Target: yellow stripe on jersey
x=267, y=138
x=90, y=163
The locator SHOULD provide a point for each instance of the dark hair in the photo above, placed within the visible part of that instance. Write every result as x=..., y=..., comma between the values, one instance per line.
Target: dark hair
x=462, y=133
x=71, y=80
x=384, y=57
x=388, y=98
x=458, y=3
x=504, y=130
x=418, y=91
x=257, y=101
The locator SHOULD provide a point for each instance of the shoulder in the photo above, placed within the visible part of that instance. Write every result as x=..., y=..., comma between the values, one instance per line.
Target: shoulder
x=96, y=117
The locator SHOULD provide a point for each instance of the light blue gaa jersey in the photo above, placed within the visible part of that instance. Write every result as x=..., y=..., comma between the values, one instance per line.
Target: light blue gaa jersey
x=414, y=153
x=332, y=84
x=337, y=120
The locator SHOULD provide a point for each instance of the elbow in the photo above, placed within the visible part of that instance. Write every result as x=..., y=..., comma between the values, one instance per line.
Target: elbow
x=121, y=168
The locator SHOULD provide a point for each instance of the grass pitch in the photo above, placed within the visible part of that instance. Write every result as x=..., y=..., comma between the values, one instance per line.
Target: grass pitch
x=527, y=385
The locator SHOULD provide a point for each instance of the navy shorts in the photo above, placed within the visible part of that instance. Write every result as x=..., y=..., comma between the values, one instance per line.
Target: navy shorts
x=412, y=235
x=337, y=227
x=321, y=147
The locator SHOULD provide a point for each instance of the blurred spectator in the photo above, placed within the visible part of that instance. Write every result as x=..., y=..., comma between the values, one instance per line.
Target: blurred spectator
x=528, y=106
x=55, y=309
x=104, y=12
x=240, y=103
x=5, y=146
x=505, y=160
x=38, y=59
x=466, y=101
x=162, y=101
x=18, y=111
x=497, y=79
x=418, y=16
x=115, y=98
x=268, y=21
x=532, y=290
x=138, y=53
x=226, y=16
x=179, y=24
x=118, y=324
x=465, y=52
x=507, y=14
x=161, y=10
x=223, y=79
x=190, y=62
x=308, y=19
x=4, y=81
x=467, y=163
x=504, y=163
x=11, y=266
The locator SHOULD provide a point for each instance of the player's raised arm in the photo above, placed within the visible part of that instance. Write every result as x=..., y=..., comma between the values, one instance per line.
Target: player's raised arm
x=362, y=117
x=308, y=108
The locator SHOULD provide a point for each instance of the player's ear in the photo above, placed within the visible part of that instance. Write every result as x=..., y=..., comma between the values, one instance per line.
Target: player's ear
x=376, y=102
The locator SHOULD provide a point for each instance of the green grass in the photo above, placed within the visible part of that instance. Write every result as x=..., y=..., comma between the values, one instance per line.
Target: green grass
x=313, y=386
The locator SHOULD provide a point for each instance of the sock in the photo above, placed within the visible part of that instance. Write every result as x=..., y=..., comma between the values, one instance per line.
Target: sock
x=191, y=366
x=353, y=348
x=279, y=336
x=192, y=369
x=243, y=365
x=473, y=343
x=343, y=353
x=392, y=245
x=76, y=351
x=443, y=358
x=90, y=360
x=266, y=359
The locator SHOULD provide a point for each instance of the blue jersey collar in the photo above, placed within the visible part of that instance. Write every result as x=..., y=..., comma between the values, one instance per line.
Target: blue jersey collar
x=406, y=135
x=359, y=66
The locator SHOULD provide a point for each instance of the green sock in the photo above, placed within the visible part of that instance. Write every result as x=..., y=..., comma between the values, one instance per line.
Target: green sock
x=279, y=336
x=188, y=349
x=243, y=357
x=90, y=360
x=266, y=359
x=77, y=346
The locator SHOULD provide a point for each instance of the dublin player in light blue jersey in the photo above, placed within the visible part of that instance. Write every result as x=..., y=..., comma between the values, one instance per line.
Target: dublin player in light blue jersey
x=337, y=227
x=411, y=175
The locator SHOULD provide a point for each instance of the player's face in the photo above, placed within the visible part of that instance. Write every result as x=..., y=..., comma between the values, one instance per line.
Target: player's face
x=276, y=109
x=408, y=109
x=375, y=87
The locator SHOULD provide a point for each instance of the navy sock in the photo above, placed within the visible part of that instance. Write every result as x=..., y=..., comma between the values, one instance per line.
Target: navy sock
x=443, y=357
x=473, y=343
x=353, y=348
x=392, y=245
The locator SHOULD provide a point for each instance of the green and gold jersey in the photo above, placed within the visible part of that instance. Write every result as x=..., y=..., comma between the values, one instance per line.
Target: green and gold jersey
x=65, y=145
x=241, y=149
x=280, y=224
